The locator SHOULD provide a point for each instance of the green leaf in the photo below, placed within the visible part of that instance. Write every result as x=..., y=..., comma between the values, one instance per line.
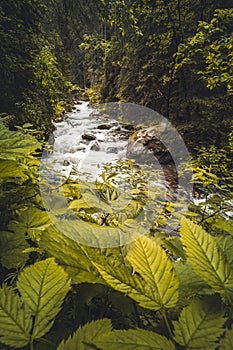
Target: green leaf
x=199, y=326
x=227, y=341
x=86, y=335
x=225, y=243
x=205, y=256
x=123, y=280
x=223, y=225
x=12, y=246
x=191, y=284
x=71, y=255
x=14, y=144
x=15, y=320
x=133, y=339
x=31, y=221
x=152, y=263
x=43, y=287
x=11, y=169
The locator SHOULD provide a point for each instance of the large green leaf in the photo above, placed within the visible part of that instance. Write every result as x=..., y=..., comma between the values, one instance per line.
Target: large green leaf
x=86, y=335
x=11, y=249
x=12, y=169
x=191, y=284
x=30, y=220
x=225, y=242
x=15, y=320
x=133, y=339
x=123, y=280
x=227, y=341
x=43, y=287
x=199, y=326
x=206, y=257
x=71, y=255
x=14, y=144
x=152, y=263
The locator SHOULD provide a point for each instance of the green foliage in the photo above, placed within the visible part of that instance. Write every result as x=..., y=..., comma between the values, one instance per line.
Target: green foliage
x=134, y=339
x=15, y=320
x=226, y=342
x=205, y=256
x=199, y=326
x=12, y=246
x=18, y=168
x=214, y=41
x=145, y=257
x=43, y=288
x=86, y=335
x=24, y=318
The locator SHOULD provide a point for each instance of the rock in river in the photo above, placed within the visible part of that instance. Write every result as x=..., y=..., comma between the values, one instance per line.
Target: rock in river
x=104, y=126
x=88, y=137
x=146, y=147
x=146, y=142
x=95, y=146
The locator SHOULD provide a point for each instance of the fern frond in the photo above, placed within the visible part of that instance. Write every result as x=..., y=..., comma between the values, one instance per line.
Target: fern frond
x=122, y=280
x=199, y=326
x=15, y=320
x=205, y=256
x=43, y=287
x=85, y=336
x=133, y=339
x=152, y=263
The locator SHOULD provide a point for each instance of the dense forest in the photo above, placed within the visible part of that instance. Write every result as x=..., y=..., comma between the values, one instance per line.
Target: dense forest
x=168, y=291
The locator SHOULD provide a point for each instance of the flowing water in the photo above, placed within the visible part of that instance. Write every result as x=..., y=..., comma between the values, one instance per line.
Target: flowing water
x=85, y=139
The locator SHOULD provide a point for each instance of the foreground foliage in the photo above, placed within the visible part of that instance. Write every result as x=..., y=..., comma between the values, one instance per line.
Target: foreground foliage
x=169, y=291
x=195, y=318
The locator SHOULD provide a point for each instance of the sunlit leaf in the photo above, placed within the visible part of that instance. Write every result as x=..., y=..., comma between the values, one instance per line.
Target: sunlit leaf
x=155, y=267
x=43, y=287
x=15, y=320
x=205, y=256
x=15, y=144
x=123, y=280
x=11, y=169
x=133, y=339
x=199, y=326
x=86, y=335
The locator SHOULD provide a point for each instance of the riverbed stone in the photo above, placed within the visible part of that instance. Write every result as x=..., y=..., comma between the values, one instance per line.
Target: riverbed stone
x=147, y=142
x=112, y=150
x=95, y=146
x=104, y=126
x=88, y=137
x=146, y=147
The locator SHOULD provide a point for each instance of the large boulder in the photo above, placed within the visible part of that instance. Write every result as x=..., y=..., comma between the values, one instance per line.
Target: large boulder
x=147, y=142
x=146, y=147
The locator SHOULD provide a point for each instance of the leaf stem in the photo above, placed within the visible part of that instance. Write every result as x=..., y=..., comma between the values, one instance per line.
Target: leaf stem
x=31, y=345
x=167, y=323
